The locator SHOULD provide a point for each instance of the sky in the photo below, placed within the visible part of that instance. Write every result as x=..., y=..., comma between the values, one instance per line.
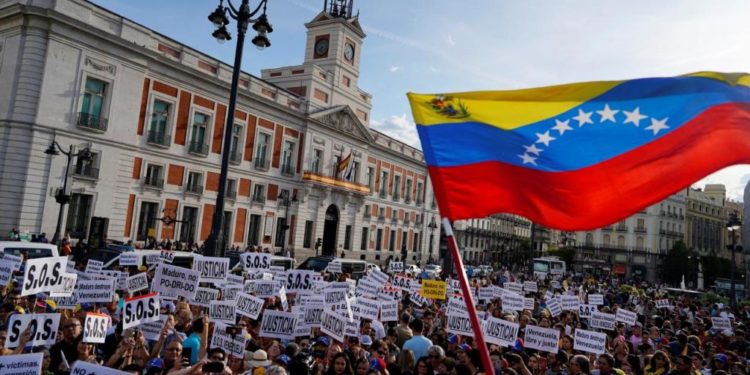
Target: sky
x=435, y=46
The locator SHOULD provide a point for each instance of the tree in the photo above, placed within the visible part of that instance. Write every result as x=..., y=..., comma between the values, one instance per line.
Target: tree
x=678, y=262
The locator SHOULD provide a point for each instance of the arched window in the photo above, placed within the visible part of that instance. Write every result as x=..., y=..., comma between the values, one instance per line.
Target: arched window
x=621, y=241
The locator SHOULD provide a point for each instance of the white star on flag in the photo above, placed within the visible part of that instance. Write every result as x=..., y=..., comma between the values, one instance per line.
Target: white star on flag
x=634, y=117
x=583, y=118
x=562, y=126
x=607, y=114
x=528, y=159
x=533, y=149
x=658, y=125
x=545, y=138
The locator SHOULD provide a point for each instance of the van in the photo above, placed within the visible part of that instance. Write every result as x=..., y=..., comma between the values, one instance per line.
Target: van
x=356, y=268
x=287, y=263
x=181, y=258
x=31, y=249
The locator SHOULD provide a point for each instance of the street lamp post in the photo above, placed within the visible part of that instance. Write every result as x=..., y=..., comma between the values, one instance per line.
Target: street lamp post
x=432, y=227
x=733, y=226
x=285, y=202
x=215, y=244
x=63, y=197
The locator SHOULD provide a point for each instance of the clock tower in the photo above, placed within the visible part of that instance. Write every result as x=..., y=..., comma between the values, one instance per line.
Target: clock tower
x=330, y=73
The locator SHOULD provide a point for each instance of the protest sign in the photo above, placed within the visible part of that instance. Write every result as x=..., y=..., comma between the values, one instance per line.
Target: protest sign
x=249, y=306
x=211, y=268
x=95, y=328
x=232, y=345
x=512, y=301
x=334, y=267
x=66, y=303
x=544, y=339
x=313, y=315
x=486, y=293
x=569, y=303
x=389, y=311
x=204, y=296
x=278, y=324
x=121, y=278
x=42, y=328
x=434, y=289
x=17, y=261
x=368, y=309
x=625, y=316
x=282, y=299
x=516, y=288
x=378, y=276
x=596, y=299
x=256, y=261
x=334, y=296
x=67, y=287
x=235, y=279
x=86, y=368
x=352, y=329
x=368, y=288
x=90, y=291
x=223, y=311
x=554, y=306
x=299, y=281
x=94, y=266
x=402, y=282
x=22, y=364
x=528, y=303
x=6, y=271
x=167, y=256
x=459, y=325
x=152, y=330
x=500, y=332
x=721, y=324
x=589, y=341
x=153, y=259
x=602, y=320
x=530, y=287
x=333, y=324
x=662, y=304
x=141, y=309
x=584, y=311
x=129, y=258
x=173, y=281
x=137, y=282
x=395, y=267
x=229, y=293
x=263, y=288
x=43, y=274
x=457, y=306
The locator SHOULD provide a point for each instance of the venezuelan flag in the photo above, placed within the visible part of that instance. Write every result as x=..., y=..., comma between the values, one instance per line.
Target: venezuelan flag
x=581, y=156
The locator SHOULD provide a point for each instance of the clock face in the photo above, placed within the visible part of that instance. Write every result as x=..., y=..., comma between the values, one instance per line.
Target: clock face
x=321, y=47
x=349, y=52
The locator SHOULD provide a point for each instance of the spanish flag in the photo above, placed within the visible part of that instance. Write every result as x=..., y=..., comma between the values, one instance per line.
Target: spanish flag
x=584, y=155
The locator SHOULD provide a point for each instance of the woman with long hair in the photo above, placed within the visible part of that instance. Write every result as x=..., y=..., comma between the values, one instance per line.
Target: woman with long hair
x=340, y=365
x=658, y=364
x=423, y=367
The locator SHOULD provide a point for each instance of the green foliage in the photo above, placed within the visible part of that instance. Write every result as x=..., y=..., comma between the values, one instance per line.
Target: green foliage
x=677, y=263
x=710, y=298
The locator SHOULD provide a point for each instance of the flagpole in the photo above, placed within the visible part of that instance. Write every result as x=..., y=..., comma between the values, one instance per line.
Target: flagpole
x=468, y=299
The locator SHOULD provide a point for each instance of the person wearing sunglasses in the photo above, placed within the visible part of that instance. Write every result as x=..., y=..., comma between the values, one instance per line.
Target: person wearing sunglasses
x=68, y=346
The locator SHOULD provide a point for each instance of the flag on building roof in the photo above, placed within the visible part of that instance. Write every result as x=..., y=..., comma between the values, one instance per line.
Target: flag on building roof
x=584, y=155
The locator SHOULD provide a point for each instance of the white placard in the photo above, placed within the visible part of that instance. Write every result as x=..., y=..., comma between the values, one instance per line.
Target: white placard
x=66, y=303
x=512, y=301
x=43, y=329
x=626, y=316
x=211, y=268
x=17, y=261
x=43, y=275
x=513, y=287
x=544, y=339
x=153, y=259
x=86, y=368
x=152, y=331
x=389, y=311
x=223, y=311
x=395, y=267
x=378, y=276
x=173, y=281
x=500, y=332
x=554, y=306
x=402, y=282
x=486, y=293
x=313, y=315
x=229, y=293
x=459, y=325
x=368, y=309
x=204, y=296
x=6, y=271
x=530, y=286
x=167, y=256
x=235, y=279
x=300, y=281
x=419, y=299
x=584, y=310
x=141, y=309
x=263, y=288
x=89, y=291
x=332, y=296
x=570, y=303
x=234, y=346
x=596, y=299
x=121, y=278
x=589, y=341
x=23, y=364
x=249, y=306
x=95, y=328
x=662, y=304
x=334, y=267
x=137, y=282
x=278, y=324
x=256, y=261
x=128, y=259
x=67, y=287
x=602, y=320
x=94, y=266
x=721, y=324
x=528, y=303
x=333, y=324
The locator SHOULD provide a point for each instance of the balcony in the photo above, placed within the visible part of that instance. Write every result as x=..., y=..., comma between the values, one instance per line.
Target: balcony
x=382, y=194
x=407, y=200
x=257, y=198
x=419, y=202
x=622, y=228
x=381, y=217
x=394, y=219
x=158, y=138
x=153, y=182
x=90, y=122
x=235, y=157
x=195, y=189
x=86, y=172
x=231, y=194
x=367, y=214
x=198, y=148
x=406, y=220
x=262, y=164
x=639, y=229
x=396, y=197
x=333, y=182
x=287, y=170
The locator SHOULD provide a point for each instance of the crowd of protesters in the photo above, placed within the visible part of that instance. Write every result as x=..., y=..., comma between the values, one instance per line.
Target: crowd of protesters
x=678, y=340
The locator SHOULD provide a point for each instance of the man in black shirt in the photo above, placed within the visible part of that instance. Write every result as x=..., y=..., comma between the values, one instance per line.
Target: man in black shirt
x=68, y=346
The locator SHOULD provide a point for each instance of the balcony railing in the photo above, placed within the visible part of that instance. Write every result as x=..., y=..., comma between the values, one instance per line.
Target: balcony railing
x=153, y=182
x=158, y=138
x=194, y=189
x=235, y=157
x=259, y=198
x=394, y=219
x=262, y=164
x=287, y=170
x=382, y=194
x=86, y=171
x=334, y=182
x=622, y=228
x=367, y=214
x=420, y=202
x=640, y=229
x=91, y=122
x=198, y=148
x=407, y=200
x=231, y=194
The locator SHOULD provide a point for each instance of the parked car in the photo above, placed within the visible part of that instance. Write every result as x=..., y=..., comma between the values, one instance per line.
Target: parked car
x=432, y=271
x=412, y=270
x=31, y=249
x=483, y=271
x=355, y=268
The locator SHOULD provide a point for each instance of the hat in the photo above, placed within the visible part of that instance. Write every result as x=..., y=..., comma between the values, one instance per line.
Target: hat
x=464, y=347
x=452, y=338
x=721, y=357
x=284, y=359
x=377, y=364
x=365, y=340
x=260, y=359
x=155, y=363
x=323, y=341
x=169, y=305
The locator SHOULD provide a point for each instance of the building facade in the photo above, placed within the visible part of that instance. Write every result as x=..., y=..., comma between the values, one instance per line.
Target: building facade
x=153, y=112
x=491, y=240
